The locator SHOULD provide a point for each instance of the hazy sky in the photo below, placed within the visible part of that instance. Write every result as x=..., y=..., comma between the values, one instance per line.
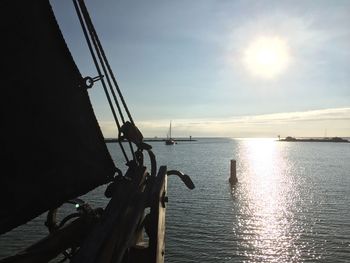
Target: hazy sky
x=222, y=68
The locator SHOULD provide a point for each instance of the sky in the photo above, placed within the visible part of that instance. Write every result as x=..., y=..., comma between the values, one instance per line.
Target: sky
x=221, y=68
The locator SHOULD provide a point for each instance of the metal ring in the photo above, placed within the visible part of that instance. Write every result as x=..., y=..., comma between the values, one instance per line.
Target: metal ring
x=89, y=82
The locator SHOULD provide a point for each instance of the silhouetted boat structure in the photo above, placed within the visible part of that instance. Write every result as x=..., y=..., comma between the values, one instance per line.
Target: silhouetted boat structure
x=333, y=139
x=62, y=154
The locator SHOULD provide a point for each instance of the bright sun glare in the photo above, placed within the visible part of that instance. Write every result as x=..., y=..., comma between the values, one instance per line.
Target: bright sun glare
x=267, y=57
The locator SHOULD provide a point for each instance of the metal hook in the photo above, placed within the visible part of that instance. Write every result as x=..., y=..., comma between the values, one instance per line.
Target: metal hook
x=89, y=81
x=184, y=178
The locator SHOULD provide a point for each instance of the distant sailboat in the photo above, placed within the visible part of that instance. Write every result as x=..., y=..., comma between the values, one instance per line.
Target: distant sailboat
x=169, y=140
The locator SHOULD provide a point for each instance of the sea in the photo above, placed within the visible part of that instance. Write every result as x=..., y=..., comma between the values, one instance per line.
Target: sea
x=291, y=202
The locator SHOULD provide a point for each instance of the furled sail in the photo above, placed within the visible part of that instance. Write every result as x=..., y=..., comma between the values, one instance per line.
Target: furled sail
x=52, y=148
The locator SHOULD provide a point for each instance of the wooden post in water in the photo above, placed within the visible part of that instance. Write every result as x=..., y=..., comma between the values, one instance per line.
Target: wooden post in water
x=233, y=176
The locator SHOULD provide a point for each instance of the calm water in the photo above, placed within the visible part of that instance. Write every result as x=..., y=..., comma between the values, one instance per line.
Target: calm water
x=291, y=203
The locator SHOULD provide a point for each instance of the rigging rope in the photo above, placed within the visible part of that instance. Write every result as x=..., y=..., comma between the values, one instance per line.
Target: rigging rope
x=101, y=62
x=96, y=38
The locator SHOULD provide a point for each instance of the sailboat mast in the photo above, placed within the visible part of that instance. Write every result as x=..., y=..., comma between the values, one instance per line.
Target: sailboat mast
x=170, y=130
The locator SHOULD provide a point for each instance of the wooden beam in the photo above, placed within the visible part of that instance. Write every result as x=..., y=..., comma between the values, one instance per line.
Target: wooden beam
x=54, y=244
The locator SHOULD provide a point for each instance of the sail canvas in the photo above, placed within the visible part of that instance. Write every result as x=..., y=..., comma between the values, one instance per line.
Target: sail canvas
x=52, y=148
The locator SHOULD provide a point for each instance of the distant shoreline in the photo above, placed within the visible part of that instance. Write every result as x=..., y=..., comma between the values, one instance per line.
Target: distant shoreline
x=110, y=140
x=333, y=139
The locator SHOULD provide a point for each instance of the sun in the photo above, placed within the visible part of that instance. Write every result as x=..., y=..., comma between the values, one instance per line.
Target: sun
x=267, y=57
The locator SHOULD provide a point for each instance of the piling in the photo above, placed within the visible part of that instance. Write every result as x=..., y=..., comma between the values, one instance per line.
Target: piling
x=233, y=176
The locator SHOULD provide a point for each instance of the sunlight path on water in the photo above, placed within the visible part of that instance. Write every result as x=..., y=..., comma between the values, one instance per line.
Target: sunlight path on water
x=267, y=213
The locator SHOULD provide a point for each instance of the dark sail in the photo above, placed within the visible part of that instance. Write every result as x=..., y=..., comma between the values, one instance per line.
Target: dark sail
x=52, y=148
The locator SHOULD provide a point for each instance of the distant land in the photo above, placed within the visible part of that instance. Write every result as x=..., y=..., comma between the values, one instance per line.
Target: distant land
x=333, y=139
x=109, y=140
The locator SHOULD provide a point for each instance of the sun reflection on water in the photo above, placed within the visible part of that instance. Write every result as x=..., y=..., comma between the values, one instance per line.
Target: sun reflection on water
x=265, y=214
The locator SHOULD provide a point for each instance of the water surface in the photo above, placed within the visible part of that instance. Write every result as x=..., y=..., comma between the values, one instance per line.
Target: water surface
x=291, y=203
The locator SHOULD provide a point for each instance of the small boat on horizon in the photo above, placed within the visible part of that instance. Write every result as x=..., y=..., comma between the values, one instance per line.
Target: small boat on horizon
x=169, y=140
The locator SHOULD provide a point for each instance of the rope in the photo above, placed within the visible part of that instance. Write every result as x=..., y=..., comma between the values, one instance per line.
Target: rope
x=104, y=63
x=81, y=20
